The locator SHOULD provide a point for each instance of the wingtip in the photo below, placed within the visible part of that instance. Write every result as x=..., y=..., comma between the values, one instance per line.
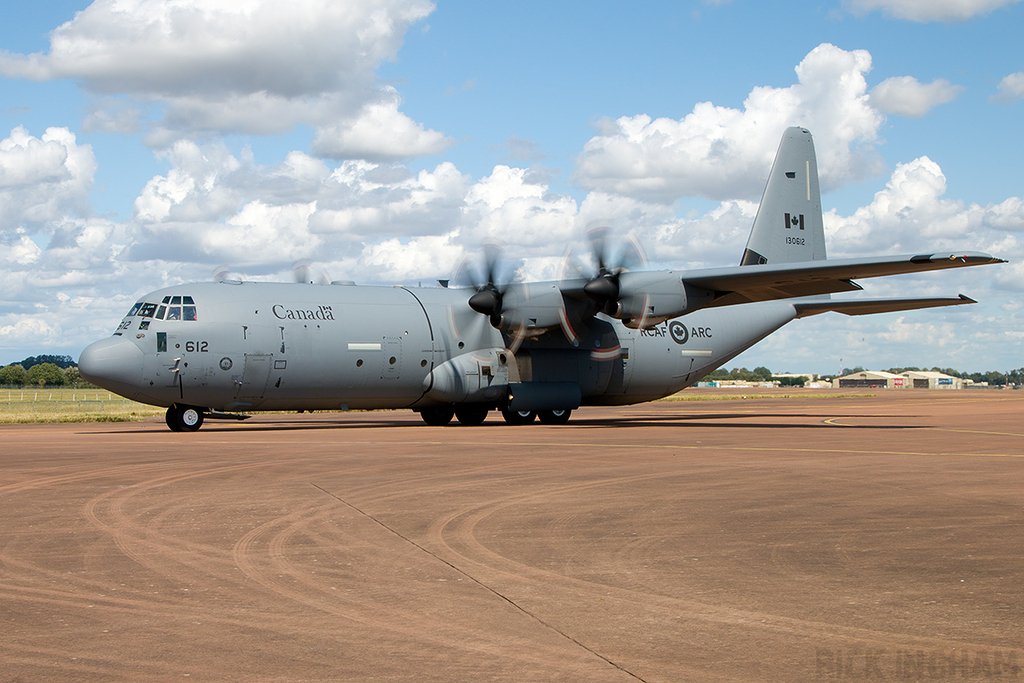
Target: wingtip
x=966, y=299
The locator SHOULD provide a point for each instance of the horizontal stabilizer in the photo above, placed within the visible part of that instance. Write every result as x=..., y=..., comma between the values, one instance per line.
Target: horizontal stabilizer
x=869, y=306
x=745, y=284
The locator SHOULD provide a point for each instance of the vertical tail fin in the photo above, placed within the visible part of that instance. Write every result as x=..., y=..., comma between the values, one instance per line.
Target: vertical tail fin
x=788, y=227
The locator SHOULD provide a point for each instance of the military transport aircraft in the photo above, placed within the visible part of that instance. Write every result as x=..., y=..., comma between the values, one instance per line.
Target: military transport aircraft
x=617, y=336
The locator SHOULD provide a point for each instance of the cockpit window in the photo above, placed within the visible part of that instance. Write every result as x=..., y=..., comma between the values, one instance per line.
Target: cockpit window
x=172, y=308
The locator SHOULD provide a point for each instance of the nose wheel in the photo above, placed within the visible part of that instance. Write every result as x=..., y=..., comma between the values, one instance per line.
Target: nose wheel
x=184, y=418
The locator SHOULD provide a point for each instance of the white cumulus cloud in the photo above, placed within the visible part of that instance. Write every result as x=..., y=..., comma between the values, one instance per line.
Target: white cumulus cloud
x=29, y=330
x=718, y=152
x=213, y=207
x=238, y=66
x=42, y=179
x=928, y=10
x=378, y=133
x=905, y=96
x=1011, y=88
x=912, y=214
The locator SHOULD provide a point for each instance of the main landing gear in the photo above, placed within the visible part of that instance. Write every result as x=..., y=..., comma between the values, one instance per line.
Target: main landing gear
x=184, y=418
x=554, y=417
x=472, y=414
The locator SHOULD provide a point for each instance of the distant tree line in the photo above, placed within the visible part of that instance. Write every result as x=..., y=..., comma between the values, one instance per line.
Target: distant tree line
x=42, y=371
x=62, y=362
x=758, y=374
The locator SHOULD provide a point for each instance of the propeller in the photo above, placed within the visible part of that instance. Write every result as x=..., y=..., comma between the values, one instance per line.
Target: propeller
x=222, y=273
x=492, y=276
x=490, y=289
x=302, y=272
x=604, y=287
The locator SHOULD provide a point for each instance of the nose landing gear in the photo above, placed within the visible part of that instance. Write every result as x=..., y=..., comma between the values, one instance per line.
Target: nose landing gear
x=184, y=418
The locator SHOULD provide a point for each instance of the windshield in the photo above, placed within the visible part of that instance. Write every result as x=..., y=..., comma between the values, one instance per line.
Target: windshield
x=171, y=308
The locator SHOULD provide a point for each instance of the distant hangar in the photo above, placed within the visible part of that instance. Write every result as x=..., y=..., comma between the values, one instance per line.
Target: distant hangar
x=915, y=379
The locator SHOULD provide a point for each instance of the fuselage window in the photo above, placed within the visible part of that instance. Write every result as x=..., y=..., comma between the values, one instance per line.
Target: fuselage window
x=147, y=310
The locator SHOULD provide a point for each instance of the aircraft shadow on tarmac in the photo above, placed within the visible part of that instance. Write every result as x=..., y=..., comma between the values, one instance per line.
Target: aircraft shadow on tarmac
x=707, y=420
x=765, y=421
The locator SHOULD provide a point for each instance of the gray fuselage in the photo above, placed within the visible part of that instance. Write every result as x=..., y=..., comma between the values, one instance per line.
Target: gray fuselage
x=275, y=346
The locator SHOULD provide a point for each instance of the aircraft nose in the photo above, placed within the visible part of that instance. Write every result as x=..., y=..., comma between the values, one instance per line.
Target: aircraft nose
x=114, y=363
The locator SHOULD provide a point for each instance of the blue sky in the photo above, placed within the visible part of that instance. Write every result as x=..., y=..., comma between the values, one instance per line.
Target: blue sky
x=145, y=143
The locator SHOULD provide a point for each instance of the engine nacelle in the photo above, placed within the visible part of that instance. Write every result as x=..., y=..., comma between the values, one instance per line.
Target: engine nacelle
x=477, y=377
x=532, y=307
x=650, y=298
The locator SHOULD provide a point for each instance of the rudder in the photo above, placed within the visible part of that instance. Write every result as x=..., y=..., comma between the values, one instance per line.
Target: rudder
x=788, y=227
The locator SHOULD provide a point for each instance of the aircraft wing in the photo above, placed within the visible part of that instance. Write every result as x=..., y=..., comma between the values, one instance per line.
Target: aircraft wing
x=744, y=284
x=869, y=306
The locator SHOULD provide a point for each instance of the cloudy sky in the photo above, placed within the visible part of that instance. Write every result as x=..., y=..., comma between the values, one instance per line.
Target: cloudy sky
x=145, y=143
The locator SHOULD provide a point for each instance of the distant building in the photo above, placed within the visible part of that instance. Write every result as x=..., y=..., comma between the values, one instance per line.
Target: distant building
x=879, y=379
x=932, y=380
x=808, y=376
x=870, y=379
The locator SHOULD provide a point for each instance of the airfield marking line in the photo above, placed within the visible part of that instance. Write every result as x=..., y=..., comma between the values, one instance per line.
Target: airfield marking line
x=480, y=583
x=833, y=421
x=697, y=447
x=977, y=431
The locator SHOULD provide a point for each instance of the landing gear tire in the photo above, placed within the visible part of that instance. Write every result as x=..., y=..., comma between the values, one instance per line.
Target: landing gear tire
x=471, y=414
x=518, y=417
x=554, y=417
x=184, y=418
x=438, y=416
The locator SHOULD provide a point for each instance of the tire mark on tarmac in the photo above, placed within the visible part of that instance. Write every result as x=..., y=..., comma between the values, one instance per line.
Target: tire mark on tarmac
x=146, y=546
x=267, y=545
x=146, y=543
x=504, y=598
x=461, y=526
